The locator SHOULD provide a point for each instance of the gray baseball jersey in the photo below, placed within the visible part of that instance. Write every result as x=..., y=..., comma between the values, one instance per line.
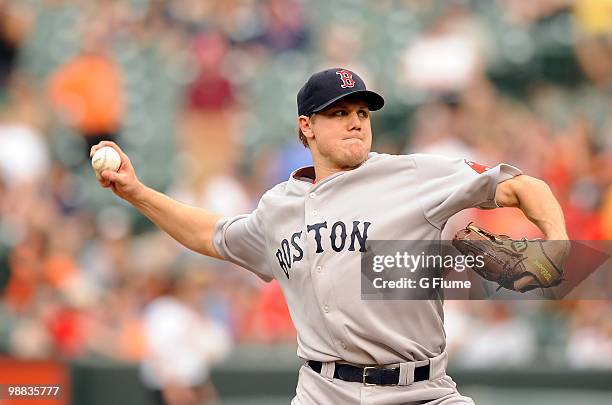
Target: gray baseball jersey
x=310, y=238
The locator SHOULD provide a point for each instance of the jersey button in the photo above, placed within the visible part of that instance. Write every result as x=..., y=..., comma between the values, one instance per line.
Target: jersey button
x=343, y=345
x=313, y=195
x=314, y=213
x=319, y=268
x=326, y=309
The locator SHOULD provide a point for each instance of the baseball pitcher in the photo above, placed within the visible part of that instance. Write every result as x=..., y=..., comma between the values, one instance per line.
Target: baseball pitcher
x=310, y=231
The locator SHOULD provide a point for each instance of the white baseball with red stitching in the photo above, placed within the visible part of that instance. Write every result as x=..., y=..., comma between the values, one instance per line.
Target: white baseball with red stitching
x=105, y=158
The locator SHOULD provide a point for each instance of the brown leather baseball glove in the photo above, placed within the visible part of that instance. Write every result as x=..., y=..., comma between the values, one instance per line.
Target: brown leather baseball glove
x=518, y=265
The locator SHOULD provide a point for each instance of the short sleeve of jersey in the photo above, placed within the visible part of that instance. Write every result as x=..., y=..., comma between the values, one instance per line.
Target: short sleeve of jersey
x=242, y=241
x=449, y=185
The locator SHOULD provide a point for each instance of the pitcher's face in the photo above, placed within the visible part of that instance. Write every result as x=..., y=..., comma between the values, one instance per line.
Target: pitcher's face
x=342, y=134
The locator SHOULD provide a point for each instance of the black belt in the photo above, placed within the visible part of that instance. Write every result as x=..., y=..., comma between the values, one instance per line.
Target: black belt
x=371, y=375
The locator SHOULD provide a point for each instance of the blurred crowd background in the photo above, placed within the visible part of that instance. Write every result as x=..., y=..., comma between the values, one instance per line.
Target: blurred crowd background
x=201, y=96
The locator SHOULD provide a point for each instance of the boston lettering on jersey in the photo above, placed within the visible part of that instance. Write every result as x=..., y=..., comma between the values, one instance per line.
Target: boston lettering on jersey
x=290, y=250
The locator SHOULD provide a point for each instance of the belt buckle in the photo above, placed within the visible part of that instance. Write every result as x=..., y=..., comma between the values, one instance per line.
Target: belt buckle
x=365, y=371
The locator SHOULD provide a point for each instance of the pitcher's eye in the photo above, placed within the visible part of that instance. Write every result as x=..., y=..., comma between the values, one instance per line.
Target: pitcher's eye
x=364, y=113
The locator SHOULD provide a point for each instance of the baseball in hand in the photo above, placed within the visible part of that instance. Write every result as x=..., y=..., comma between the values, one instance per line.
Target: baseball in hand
x=105, y=158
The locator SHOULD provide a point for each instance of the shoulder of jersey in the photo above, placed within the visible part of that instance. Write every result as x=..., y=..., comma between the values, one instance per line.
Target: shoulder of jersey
x=425, y=160
x=375, y=157
x=420, y=156
x=278, y=190
x=415, y=157
x=431, y=156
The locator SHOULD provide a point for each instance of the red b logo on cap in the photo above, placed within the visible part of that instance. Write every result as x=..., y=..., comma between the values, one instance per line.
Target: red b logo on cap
x=347, y=78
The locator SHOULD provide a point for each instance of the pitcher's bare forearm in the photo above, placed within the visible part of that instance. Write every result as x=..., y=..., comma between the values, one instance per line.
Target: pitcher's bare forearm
x=192, y=227
x=536, y=200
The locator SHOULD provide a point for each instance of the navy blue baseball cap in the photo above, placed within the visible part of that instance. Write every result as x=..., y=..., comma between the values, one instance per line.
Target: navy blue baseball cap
x=326, y=87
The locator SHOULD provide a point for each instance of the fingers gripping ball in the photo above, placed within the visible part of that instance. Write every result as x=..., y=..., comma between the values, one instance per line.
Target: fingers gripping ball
x=105, y=158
